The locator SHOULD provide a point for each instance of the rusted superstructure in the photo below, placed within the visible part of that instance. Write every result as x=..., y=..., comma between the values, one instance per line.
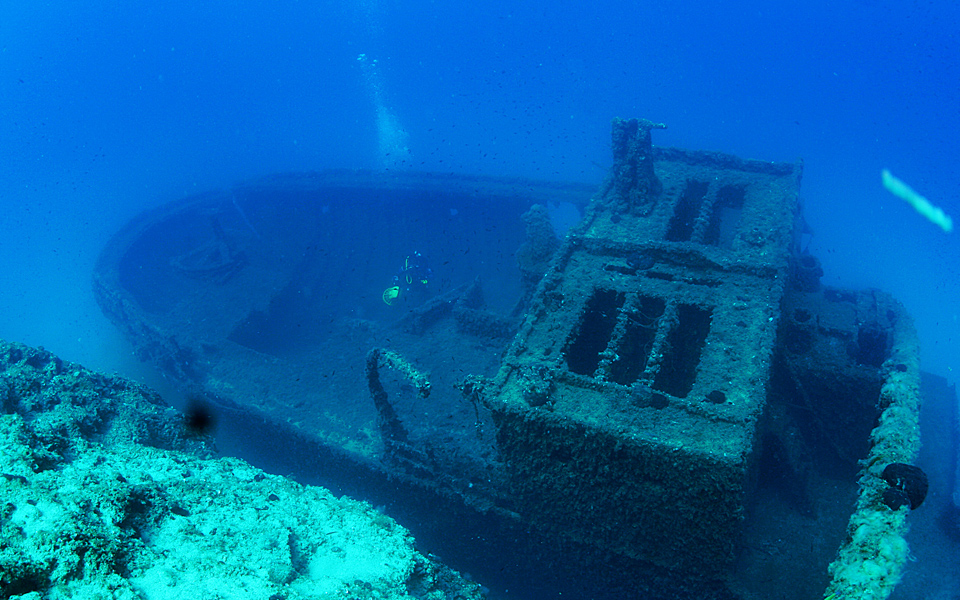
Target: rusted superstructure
x=648, y=350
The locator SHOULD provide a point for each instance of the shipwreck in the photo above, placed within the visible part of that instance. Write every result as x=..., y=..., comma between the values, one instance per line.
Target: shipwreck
x=662, y=402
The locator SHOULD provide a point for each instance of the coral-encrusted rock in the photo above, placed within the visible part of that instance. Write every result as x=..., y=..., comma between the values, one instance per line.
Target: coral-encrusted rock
x=105, y=494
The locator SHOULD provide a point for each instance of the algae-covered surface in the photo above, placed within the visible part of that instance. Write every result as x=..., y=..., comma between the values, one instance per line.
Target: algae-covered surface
x=106, y=494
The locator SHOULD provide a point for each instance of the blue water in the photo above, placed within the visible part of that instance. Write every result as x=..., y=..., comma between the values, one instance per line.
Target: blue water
x=117, y=106
x=111, y=107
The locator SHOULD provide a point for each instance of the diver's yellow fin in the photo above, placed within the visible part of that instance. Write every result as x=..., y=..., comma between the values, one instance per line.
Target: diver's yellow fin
x=390, y=294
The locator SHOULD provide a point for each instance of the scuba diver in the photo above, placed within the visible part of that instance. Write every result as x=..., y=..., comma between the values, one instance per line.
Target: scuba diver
x=410, y=283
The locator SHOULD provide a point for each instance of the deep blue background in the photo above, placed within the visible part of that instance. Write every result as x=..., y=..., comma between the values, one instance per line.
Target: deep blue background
x=108, y=109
